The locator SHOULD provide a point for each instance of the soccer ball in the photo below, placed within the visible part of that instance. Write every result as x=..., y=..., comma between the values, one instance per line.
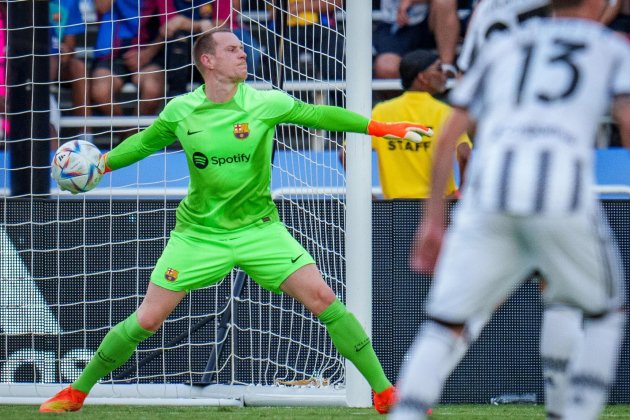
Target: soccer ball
x=77, y=166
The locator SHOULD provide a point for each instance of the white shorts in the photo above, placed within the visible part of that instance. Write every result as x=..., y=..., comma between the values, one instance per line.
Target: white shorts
x=485, y=257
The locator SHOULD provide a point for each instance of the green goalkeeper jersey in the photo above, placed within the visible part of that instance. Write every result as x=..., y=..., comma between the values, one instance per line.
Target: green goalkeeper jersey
x=228, y=149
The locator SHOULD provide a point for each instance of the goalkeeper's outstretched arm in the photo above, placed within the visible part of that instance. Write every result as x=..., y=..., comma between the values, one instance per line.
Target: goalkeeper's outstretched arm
x=335, y=118
x=148, y=141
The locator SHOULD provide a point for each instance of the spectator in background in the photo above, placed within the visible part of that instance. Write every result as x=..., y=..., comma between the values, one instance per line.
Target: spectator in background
x=617, y=17
x=314, y=45
x=405, y=166
x=312, y=49
x=127, y=49
x=192, y=18
x=67, y=23
x=408, y=25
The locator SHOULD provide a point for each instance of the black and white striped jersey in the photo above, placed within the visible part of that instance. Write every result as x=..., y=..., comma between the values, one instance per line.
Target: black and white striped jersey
x=538, y=96
x=493, y=17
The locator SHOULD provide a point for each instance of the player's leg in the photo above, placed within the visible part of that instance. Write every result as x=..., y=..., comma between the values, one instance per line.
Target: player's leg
x=121, y=341
x=184, y=265
x=350, y=339
x=275, y=260
x=593, y=367
x=560, y=336
x=308, y=287
x=117, y=347
x=581, y=264
x=479, y=267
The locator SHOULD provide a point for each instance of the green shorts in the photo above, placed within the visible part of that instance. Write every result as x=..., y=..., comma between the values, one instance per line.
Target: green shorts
x=266, y=252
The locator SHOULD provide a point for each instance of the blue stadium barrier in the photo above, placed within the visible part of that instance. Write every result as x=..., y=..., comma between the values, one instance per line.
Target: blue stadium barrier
x=613, y=166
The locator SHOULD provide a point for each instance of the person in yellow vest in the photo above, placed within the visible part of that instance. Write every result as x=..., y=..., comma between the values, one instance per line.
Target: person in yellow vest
x=405, y=167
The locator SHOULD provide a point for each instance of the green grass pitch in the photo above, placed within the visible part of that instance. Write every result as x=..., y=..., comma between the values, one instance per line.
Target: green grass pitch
x=446, y=412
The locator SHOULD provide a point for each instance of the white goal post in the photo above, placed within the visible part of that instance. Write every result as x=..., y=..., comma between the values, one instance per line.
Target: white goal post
x=359, y=187
x=72, y=267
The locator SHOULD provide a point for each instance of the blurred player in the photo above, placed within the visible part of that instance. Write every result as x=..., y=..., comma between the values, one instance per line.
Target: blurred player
x=561, y=324
x=538, y=96
x=228, y=218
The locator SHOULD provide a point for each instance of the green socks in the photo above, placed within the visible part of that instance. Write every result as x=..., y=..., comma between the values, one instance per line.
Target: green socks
x=115, y=349
x=352, y=342
x=345, y=331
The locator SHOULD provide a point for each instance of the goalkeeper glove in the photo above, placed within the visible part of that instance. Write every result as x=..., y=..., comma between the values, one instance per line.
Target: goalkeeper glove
x=102, y=164
x=399, y=130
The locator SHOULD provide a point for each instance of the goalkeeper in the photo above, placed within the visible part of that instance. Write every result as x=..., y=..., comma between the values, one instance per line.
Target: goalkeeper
x=228, y=217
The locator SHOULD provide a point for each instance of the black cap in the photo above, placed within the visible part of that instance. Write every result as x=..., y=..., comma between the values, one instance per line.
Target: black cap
x=413, y=63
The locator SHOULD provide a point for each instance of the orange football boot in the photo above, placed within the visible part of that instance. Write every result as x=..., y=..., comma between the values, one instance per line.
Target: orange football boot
x=385, y=400
x=68, y=399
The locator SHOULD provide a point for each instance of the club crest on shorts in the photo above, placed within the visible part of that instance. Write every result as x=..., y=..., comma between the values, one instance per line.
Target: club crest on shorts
x=241, y=131
x=171, y=274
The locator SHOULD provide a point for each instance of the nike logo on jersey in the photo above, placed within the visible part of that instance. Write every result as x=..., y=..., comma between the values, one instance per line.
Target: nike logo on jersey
x=296, y=258
x=190, y=133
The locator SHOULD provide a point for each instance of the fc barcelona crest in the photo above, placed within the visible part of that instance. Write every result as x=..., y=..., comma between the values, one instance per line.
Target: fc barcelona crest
x=171, y=274
x=241, y=131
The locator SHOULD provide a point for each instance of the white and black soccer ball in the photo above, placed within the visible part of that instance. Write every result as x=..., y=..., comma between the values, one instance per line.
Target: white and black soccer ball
x=77, y=166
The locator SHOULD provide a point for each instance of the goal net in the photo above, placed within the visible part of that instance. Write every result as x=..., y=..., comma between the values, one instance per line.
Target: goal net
x=74, y=266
